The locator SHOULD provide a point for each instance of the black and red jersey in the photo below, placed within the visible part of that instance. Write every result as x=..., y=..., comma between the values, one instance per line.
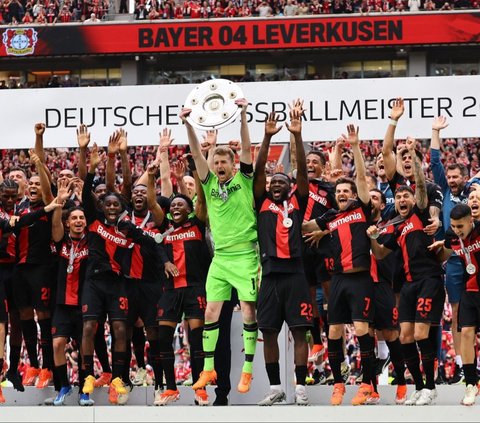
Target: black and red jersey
x=72, y=252
x=187, y=249
x=348, y=231
x=143, y=262
x=321, y=198
x=434, y=192
x=7, y=241
x=280, y=246
x=32, y=243
x=472, y=246
x=107, y=243
x=418, y=261
x=382, y=270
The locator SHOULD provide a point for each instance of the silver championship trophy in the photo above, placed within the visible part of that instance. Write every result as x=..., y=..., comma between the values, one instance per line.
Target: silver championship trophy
x=213, y=104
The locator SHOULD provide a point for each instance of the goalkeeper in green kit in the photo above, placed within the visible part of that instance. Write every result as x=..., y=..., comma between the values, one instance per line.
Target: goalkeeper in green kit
x=229, y=198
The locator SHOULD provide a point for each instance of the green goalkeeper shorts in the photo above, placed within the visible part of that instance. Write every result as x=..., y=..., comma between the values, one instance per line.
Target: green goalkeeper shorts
x=239, y=270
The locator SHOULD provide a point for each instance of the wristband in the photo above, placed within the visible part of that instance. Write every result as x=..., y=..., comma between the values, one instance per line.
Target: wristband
x=111, y=155
x=393, y=122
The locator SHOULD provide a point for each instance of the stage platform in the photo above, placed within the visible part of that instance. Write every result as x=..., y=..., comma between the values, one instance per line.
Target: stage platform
x=28, y=406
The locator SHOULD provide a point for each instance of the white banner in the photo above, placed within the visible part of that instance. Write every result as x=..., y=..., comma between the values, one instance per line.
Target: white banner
x=331, y=104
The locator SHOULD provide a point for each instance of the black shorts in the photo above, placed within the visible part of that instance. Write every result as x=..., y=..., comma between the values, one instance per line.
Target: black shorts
x=399, y=277
x=32, y=286
x=284, y=297
x=351, y=298
x=317, y=265
x=422, y=301
x=386, y=313
x=469, y=309
x=143, y=297
x=67, y=322
x=182, y=303
x=6, y=276
x=105, y=293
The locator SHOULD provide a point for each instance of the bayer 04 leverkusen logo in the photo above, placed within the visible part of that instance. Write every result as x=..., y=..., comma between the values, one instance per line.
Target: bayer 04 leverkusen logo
x=20, y=42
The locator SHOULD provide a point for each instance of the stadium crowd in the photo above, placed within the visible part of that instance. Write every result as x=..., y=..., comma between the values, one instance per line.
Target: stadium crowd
x=138, y=348
x=17, y=12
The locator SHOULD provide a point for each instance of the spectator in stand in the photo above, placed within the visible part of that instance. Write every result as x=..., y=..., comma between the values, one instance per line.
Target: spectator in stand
x=290, y=8
x=153, y=14
x=218, y=11
x=93, y=19
x=264, y=10
x=303, y=8
x=429, y=5
x=231, y=10
x=194, y=9
x=337, y=6
x=414, y=5
x=205, y=10
x=178, y=11
x=27, y=18
x=326, y=7
x=65, y=15
x=51, y=15
x=41, y=18
x=315, y=8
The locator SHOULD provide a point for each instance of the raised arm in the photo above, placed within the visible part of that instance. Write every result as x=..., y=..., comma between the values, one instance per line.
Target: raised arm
x=387, y=148
x=111, y=171
x=153, y=206
x=39, y=151
x=298, y=105
x=361, y=178
x=64, y=191
x=438, y=124
x=83, y=139
x=47, y=195
x=178, y=171
x=88, y=200
x=295, y=128
x=200, y=161
x=420, y=184
x=201, y=203
x=245, y=154
x=39, y=131
x=336, y=160
x=208, y=145
x=126, y=170
x=438, y=170
x=162, y=158
x=259, y=176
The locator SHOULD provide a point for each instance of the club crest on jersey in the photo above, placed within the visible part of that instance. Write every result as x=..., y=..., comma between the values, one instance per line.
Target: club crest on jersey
x=20, y=42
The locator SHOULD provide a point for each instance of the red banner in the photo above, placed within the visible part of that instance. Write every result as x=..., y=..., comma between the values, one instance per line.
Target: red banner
x=242, y=34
